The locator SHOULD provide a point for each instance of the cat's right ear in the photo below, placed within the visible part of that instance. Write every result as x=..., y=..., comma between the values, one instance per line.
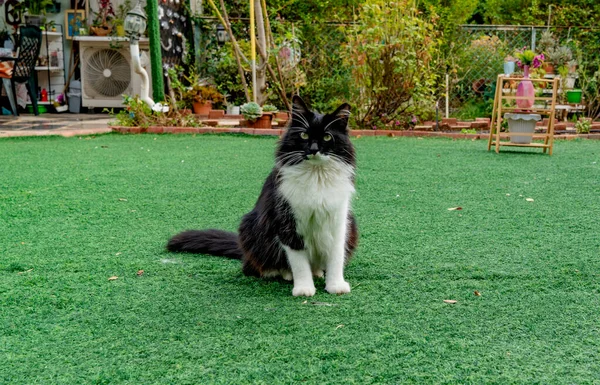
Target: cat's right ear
x=298, y=105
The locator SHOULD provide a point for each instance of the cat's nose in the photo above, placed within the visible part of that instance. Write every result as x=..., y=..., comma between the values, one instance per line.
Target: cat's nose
x=314, y=148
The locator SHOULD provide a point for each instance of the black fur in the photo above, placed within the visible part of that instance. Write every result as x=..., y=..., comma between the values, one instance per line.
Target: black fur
x=215, y=242
x=271, y=223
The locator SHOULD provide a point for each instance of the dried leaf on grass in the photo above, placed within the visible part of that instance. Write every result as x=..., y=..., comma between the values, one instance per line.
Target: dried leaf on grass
x=113, y=278
x=339, y=326
x=26, y=271
x=140, y=272
x=322, y=304
x=477, y=294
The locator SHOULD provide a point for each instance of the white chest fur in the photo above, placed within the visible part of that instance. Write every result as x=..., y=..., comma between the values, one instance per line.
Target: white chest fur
x=319, y=195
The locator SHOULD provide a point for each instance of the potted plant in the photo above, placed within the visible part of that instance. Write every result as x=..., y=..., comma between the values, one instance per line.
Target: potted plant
x=201, y=97
x=269, y=108
x=60, y=103
x=509, y=65
x=547, y=45
x=119, y=18
x=527, y=59
x=255, y=118
x=34, y=9
x=521, y=123
x=100, y=25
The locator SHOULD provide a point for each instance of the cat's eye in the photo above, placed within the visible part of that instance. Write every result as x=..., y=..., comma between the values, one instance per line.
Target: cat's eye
x=327, y=137
x=304, y=135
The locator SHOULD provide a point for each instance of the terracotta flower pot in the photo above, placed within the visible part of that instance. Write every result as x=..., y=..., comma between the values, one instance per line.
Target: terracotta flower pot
x=202, y=108
x=263, y=122
x=549, y=68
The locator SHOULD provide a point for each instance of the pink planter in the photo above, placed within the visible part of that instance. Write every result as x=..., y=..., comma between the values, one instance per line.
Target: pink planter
x=525, y=89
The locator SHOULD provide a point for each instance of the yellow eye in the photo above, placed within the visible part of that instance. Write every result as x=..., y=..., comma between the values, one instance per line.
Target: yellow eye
x=304, y=135
x=327, y=137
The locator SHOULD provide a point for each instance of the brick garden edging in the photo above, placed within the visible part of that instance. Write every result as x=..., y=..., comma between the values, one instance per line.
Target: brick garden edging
x=355, y=133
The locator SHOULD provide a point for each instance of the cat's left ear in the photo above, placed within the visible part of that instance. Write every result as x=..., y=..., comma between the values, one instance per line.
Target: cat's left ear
x=343, y=114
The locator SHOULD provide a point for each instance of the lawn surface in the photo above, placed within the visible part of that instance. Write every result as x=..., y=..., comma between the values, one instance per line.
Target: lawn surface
x=74, y=212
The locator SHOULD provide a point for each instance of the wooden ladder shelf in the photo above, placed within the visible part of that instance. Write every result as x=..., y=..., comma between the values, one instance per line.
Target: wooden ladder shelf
x=505, y=102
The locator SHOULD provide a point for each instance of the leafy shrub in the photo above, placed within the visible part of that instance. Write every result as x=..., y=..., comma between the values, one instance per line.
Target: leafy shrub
x=392, y=53
x=583, y=126
x=138, y=114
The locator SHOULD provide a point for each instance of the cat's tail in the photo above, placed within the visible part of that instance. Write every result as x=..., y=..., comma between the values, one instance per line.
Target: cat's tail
x=214, y=242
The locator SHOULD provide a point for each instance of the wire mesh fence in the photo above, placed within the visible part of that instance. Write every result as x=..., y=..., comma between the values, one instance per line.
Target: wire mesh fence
x=475, y=59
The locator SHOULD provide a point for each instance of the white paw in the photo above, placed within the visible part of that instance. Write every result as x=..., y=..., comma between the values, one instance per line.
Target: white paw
x=319, y=273
x=341, y=287
x=304, y=291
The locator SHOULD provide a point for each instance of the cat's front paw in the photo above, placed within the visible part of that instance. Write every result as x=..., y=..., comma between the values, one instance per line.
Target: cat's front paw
x=304, y=291
x=341, y=287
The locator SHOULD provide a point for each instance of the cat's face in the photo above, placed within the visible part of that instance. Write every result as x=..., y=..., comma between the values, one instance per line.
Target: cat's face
x=316, y=138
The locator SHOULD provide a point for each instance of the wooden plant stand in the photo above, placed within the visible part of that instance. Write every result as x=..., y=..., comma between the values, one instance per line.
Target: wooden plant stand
x=506, y=102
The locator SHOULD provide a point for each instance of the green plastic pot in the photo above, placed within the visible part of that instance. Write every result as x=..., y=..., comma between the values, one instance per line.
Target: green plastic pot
x=574, y=96
x=42, y=109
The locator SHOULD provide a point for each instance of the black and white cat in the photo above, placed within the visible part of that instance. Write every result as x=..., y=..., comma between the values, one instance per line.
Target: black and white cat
x=301, y=224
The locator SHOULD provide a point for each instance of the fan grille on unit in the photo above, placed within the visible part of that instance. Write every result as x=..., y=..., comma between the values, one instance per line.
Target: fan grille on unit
x=107, y=72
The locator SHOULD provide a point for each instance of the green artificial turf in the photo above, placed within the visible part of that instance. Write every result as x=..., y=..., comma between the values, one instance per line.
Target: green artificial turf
x=74, y=212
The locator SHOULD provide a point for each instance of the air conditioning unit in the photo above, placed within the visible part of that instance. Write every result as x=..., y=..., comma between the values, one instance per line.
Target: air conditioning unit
x=107, y=73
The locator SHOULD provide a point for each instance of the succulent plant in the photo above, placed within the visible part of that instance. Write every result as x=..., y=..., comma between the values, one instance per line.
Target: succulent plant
x=560, y=56
x=547, y=43
x=269, y=108
x=251, y=111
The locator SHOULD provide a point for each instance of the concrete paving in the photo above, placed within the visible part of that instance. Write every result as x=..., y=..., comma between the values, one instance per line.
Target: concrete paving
x=54, y=124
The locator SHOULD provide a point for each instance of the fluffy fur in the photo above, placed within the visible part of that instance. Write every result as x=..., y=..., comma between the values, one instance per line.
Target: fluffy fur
x=301, y=224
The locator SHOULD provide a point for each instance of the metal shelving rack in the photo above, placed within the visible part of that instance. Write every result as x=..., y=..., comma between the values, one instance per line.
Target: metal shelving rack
x=50, y=69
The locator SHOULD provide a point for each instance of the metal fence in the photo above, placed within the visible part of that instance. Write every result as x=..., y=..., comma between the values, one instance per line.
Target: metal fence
x=475, y=59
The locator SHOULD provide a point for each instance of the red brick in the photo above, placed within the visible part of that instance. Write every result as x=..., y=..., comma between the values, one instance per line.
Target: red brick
x=216, y=114
x=449, y=121
x=205, y=130
x=185, y=130
x=155, y=130
x=221, y=130
x=266, y=131
x=480, y=124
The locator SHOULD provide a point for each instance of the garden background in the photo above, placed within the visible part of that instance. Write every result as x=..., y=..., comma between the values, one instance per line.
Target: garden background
x=395, y=61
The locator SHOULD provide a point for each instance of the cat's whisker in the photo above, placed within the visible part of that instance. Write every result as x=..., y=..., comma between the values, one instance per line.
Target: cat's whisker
x=290, y=158
x=333, y=121
x=301, y=118
x=296, y=128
